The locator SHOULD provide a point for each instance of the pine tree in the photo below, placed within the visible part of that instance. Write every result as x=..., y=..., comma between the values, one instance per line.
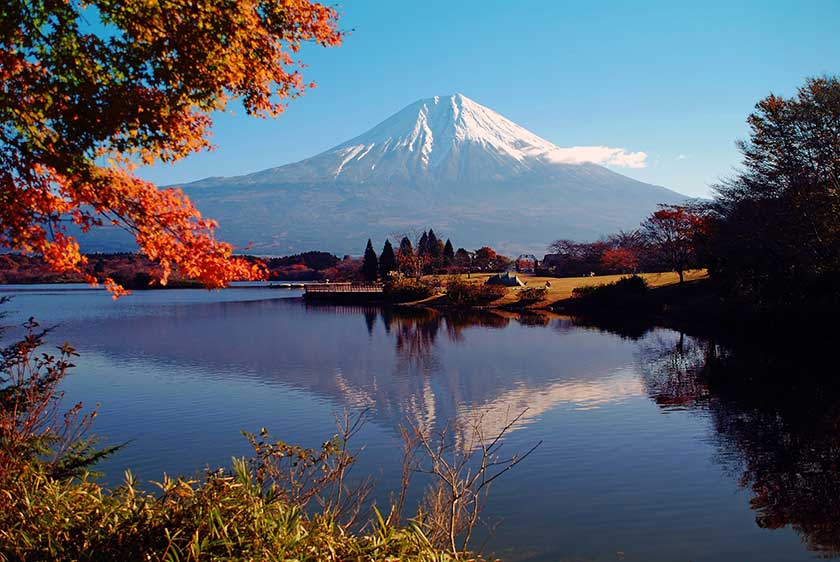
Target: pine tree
x=423, y=245
x=387, y=260
x=433, y=246
x=370, y=265
x=406, y=248
x=448, y=253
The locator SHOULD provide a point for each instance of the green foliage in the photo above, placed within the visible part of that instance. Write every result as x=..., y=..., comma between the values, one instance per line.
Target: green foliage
x=464, y=293
x=226, y=515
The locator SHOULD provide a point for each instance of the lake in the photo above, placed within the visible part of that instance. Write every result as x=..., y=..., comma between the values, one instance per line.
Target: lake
x=652, y=449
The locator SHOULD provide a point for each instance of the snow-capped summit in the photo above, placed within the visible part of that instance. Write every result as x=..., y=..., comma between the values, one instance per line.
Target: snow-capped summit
x=429, y=136
x=442, y=139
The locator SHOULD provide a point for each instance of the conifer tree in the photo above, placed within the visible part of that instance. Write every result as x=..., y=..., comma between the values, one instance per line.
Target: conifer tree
x=407, y=260
x=387, y=260
x=448, y=253
x=423, y=245
x=406, y=248
x=433, y=246
x=370, y=265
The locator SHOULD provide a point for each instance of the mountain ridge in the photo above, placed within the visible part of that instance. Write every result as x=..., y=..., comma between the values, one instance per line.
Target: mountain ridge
x=445, y=162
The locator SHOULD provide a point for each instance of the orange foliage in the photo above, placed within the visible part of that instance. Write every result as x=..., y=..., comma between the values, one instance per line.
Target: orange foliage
x=621, y=260
x=79, y=111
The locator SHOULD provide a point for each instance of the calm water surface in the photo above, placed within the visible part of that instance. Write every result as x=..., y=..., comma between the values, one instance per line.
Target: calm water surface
x=642, y=457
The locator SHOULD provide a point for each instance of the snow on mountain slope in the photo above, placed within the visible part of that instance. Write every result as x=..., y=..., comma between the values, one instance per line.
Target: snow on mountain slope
x=444, y=139
x=426, y=141
x=445, y=162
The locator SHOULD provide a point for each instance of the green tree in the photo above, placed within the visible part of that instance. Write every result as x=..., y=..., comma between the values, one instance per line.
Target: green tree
x=370, y=265
x=387, y=260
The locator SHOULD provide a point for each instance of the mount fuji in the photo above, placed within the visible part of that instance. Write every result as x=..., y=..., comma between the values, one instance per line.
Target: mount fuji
x=445, y=162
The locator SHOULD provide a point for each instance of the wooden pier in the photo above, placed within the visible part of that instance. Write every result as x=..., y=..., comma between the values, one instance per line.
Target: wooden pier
x=343, y=291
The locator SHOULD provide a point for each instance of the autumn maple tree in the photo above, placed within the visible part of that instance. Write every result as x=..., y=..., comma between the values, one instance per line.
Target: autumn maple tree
x=674, y=230
x=90, y=90
x=622, y=260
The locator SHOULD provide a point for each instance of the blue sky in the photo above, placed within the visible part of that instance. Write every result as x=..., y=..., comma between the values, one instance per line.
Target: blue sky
x=671, y=79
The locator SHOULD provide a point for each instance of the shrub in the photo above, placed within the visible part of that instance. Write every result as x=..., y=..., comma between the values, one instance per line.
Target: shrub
x=33, y=427
x=399, y=288
x=464, y=293
x=626, y=293
x=531, y=295
x=626, y=286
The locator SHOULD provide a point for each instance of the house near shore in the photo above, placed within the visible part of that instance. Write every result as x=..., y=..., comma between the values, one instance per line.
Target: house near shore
x=553, y=263
x=507, y=279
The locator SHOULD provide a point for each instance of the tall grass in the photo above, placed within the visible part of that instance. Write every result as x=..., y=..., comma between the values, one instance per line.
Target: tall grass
x=285, y=503
x=226, y=515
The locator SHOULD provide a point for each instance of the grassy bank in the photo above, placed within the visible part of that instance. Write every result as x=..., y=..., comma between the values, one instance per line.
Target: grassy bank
x=559, y=289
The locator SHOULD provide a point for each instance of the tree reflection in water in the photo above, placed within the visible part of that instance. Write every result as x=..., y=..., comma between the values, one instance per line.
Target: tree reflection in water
x=776, y=414
x=417, y=329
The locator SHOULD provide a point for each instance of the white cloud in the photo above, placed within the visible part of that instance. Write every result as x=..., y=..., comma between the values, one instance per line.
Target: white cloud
x=603, y=155
x=683, y=156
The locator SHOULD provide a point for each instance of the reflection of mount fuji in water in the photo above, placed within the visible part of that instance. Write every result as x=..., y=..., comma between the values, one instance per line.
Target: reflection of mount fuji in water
x=418, y=366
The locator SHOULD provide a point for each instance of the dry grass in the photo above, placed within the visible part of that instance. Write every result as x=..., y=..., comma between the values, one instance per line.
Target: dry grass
x=561, y=287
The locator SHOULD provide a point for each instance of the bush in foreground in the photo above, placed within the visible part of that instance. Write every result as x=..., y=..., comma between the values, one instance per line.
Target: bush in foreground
x=224, y=516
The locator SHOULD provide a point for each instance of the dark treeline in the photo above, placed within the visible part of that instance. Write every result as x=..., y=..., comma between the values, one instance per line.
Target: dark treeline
x=136, y=271
x=774, y=237
x=668, y=240
x=426, y=254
